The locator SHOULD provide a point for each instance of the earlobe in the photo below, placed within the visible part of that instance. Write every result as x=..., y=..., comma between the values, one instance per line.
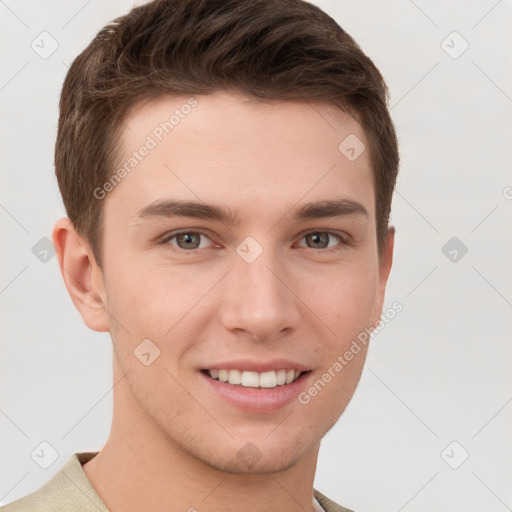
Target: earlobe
x=82, y=276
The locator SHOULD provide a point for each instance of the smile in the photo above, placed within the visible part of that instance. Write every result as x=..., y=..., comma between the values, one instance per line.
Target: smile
x=249, y=379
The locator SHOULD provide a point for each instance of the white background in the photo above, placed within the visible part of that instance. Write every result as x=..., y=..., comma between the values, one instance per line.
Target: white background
x=439, y=372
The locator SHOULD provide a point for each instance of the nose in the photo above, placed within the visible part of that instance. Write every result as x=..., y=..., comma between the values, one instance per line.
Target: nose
x=258, y=299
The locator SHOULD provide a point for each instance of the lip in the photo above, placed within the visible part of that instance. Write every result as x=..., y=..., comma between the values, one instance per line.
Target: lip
x=250, y=365
x=257, y=400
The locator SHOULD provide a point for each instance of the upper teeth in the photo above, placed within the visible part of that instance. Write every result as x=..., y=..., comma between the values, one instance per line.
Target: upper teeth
x=269, y=379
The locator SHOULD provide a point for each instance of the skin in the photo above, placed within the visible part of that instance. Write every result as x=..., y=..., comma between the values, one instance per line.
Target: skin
x=174, y=442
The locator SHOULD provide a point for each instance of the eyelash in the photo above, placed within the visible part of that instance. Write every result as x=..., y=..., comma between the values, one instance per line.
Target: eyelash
x=343, y=238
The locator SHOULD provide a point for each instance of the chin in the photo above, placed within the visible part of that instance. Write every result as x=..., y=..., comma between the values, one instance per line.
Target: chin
x=259, y=454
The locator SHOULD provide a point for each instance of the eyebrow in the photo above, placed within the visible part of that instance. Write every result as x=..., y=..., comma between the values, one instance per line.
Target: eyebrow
x=313, y=210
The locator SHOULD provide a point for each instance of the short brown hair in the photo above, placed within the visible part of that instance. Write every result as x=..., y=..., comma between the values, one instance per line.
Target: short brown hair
x=266, y=49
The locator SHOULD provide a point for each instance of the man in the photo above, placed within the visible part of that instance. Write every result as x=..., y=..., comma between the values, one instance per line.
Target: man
x=227, y=168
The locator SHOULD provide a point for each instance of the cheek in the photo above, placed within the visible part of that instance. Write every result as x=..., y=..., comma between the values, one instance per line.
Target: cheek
x=344, y=301
x=157, y=302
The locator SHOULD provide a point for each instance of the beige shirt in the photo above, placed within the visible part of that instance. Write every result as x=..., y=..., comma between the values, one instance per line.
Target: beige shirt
x=69, y=490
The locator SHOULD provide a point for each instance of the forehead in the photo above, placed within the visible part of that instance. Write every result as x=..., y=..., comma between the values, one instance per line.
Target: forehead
x=225, y=148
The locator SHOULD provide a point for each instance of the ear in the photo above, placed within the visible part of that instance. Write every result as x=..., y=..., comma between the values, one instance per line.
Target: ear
x=385, y=263
x=82, y=276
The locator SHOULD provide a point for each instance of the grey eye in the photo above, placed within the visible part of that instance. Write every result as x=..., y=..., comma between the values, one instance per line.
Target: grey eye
x=190, y=240
x=320, y=239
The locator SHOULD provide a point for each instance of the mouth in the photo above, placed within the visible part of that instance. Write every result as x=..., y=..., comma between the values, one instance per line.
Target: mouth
x=256, y=387
x=250, y=379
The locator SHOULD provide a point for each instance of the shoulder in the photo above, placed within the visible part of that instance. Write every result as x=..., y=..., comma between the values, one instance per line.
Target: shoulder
x=44, y=499
x=329, y=505
x=68, y=488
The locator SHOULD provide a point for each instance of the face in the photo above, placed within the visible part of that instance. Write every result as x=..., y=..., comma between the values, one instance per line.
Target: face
x=267, y=279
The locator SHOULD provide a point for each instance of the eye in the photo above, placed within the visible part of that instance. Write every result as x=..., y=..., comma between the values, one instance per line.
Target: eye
x=192, y=241
x=320, y=239
x=186, y=240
